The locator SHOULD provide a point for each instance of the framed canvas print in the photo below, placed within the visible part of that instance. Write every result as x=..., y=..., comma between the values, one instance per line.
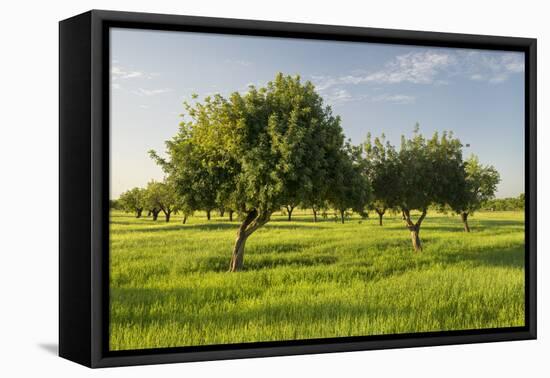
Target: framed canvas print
x=234, y=188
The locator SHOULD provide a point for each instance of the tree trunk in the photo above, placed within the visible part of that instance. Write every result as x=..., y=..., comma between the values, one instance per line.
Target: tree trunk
x=380, y=215
x=237, y=257
x=167, y=216
x=251, y=223
x=342, y=215
x=414, y=228
x=148, y=213
x=208, y=214
x=155, y=214
x=464, y=217
x=138, y=213
x=314, y=215
x=222, y=212
x=289, y=210
x=184, y=218
x=231, y=215
x=415, y=237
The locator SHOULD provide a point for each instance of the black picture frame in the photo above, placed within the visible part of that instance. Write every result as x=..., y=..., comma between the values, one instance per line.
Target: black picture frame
x=84, y=187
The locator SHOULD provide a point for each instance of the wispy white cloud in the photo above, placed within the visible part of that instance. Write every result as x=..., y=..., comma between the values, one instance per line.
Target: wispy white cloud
x=418, y=68
x=338, y=96
x=119, y=72
x=151, y=92
x=433, y=67
x=490, y=67
x=324, y=82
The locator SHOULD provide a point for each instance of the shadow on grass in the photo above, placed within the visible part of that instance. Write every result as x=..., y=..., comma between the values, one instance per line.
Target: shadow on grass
x=164, y=227
x=511, y=257
x=255, y=261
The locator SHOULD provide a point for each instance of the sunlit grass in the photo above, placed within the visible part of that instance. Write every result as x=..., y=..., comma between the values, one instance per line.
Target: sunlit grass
x=170, y=285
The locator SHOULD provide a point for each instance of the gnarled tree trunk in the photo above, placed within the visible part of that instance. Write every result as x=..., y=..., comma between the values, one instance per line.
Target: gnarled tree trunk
x=167, y=215
x=231, y=215
x=414, y=228
x=342, y=215
x=464, y=217
x=289, y=210
x=208, y=214
x=415, y=237
x=380, y=213
x=155, y=213
x=251, y=223
x=314, y=214
x=222, y=212
x=138, y=213
x=184, y=218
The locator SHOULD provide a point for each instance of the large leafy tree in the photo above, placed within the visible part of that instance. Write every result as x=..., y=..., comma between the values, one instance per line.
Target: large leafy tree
x=384, y=172
x=133, y=201
x=429, y=171
x=479, y=187
x=264, y=148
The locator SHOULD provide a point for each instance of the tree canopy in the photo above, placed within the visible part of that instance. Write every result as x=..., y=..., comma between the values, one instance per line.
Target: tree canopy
x=383, y=171
x=133, y=201
x=161, y=196
x=421, y=173
x=480, y=184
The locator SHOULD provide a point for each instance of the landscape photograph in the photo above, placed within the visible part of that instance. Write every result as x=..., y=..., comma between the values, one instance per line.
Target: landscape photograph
x=270, y=189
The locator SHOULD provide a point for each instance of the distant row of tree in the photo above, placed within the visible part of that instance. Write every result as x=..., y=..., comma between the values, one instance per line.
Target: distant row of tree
x=280, y=147
x=505, y=204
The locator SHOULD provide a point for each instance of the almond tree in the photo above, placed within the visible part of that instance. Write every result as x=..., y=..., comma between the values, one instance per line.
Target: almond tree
x=431, y=170
x=383, y=171
x=133, y=201
x=424, y=172
x=161, y=196
x=349, y=188
x=262, y=148
x=479, y=187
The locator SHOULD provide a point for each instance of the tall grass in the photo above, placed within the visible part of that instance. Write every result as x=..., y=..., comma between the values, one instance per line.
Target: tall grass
x=170, y=285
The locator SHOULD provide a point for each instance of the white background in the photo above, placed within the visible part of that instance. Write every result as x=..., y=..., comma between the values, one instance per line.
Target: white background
x=29, y=187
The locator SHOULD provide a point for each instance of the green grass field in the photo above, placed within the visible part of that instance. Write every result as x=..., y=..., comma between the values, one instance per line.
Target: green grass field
x=170, y=285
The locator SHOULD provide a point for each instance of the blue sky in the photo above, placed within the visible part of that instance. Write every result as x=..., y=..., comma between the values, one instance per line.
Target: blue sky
x=376, y=88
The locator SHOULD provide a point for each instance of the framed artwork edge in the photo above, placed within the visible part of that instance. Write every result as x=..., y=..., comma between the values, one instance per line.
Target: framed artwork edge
x=84, y=187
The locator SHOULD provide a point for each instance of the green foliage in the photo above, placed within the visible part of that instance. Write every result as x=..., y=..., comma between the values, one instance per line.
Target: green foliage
x=505, y=204
x=302, y=280
x=114, y=204
x=255, y=152
x=383, y=170
x=430, y=170
x=133, y=201
x=480, y=184
x=261, y=150
x=161, y=196
x=423, y=173
x=349, y=187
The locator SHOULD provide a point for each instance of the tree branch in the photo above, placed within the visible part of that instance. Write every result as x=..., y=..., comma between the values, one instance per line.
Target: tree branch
x=261, y=219
x=422, y=216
